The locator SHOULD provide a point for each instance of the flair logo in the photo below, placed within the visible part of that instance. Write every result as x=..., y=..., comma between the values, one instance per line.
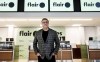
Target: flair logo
x=4, y=4
x=67, y=4
x=35, y=4
x=91, y=4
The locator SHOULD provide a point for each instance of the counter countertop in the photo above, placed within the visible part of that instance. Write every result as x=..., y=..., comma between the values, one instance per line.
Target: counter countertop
x=59, y=50
x=6, y=49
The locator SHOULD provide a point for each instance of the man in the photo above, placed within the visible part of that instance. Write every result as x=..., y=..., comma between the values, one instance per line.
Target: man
x=46, y=43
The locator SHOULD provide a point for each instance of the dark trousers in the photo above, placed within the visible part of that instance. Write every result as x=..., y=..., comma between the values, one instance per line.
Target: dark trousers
x=46, y=60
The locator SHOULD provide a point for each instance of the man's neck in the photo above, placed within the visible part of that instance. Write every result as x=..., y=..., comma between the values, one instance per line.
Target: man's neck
x=45, y=29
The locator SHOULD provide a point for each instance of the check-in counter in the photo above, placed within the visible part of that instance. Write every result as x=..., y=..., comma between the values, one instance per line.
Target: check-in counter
x=76, y=53
x=94, y=50
x=6, y=51
x=32, y=55
x=94, y=54
x=6, y=55
x=66, y=54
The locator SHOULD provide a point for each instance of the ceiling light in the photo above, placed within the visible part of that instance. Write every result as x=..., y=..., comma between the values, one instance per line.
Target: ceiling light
x=76, y=24
x=60, y=19
x=10, y=25
x=34, y=19
x=81, y=19
x=16, y=19
x=51, y=19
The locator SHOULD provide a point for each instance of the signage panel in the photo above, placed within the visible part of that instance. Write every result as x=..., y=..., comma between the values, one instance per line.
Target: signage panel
x=8, y=5
x=36, y=5
x=61, y=5
x=90, y=5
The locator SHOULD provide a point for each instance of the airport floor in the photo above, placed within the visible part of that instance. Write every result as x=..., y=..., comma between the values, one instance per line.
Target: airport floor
x=56, y=61
x=37, y=61
x=74, y=60
x=64, y=61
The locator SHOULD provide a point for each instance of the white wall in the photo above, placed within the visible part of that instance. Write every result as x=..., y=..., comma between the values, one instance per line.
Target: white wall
x=75, y=35
x=4, y=33
x=98, y=33
x=90, y=32
x=80, y=35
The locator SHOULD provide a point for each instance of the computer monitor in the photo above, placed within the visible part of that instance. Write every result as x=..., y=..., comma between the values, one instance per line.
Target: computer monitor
x=7, y=39
x=11, y=39
x=90, y=38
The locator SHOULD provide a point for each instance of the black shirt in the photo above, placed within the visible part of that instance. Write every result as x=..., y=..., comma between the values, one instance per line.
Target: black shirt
x=44, y=35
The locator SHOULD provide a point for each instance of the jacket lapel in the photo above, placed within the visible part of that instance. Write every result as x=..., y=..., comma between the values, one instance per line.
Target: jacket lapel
x=41, y=35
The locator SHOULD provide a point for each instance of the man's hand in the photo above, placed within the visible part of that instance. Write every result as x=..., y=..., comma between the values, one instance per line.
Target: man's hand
x=38, y=54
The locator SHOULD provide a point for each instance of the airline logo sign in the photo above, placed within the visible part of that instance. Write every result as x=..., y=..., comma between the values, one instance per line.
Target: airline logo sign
x=8, y=5
x=36, y=5
x=90, y=5
x=61, y=5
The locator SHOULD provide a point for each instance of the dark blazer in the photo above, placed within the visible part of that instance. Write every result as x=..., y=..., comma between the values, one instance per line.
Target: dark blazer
x=51, y=45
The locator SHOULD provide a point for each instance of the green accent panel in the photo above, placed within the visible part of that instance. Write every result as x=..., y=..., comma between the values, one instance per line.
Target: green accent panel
x=84, y=53
x=16, y=52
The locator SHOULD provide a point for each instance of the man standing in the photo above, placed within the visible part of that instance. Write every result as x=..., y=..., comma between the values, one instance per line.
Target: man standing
x=46, y=43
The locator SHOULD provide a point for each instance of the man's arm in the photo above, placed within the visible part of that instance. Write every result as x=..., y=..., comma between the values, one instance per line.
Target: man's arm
x=57, y=44
x=35, y=44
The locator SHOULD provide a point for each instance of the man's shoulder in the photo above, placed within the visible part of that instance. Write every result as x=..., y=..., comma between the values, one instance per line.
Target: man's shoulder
x=53, y=30
x=49, y=29
x=39, y=30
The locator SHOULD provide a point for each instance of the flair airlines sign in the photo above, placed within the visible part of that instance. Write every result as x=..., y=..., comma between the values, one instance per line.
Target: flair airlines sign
x=36, y=5
x=61, y=5
x=8, y=5
x=90, y=5
x=50, y=5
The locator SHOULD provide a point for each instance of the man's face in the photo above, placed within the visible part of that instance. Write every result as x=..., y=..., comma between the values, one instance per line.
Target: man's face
x=45, y=23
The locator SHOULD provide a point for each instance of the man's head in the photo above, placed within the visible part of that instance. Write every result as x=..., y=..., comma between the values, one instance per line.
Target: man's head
x=45, y=23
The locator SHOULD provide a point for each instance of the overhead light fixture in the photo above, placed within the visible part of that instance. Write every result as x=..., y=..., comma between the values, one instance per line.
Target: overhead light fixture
x=10, y=25
x=34, y=19
x=71, y=19
x=15, y=19
x=51, y=19
x=76, y=24
x=81, y=19
x=60, y=19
